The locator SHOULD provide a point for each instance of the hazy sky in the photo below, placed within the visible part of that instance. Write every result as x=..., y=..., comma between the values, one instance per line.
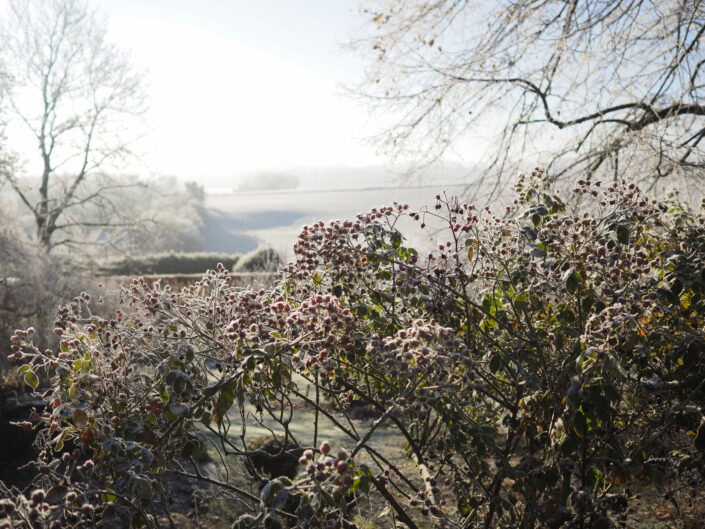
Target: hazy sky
x=245, y=85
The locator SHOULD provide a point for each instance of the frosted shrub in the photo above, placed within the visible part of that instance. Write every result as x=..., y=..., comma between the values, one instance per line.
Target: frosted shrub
x=534, y=366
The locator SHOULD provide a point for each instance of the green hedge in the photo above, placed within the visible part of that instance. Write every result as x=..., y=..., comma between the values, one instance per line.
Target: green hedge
x=168, y=263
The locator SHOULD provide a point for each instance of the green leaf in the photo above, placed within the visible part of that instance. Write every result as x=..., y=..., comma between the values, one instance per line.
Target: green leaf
x=192, y=448
x=623, y=234
x=225, y=398
x=463, y=506
x=567, y=315
x=396, y=239
x=571, y=281
x=142, y=486
x=176, y=377
x=279, y=499
x=598, y=476
x=80, y=418
x=529, y=233
x=31, y=379
x=361, y=482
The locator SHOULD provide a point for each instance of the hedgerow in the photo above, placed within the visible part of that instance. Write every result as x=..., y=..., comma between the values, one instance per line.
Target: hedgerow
x=537, y=365
x=167, y=263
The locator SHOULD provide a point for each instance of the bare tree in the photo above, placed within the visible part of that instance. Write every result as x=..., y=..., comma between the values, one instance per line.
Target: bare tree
x=587, y=86
x=76, y=94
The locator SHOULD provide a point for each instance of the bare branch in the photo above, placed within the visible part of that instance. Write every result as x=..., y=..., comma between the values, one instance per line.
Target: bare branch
x=452, y=68
x=75, y=93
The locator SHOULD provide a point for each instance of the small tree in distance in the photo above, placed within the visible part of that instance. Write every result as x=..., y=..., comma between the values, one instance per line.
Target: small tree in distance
x=75, y=93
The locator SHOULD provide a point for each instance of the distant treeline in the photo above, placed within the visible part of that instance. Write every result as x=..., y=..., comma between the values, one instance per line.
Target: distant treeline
x=262, y=260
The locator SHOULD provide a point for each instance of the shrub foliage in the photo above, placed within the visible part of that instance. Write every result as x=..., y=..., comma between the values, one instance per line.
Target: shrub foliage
x=535, y=366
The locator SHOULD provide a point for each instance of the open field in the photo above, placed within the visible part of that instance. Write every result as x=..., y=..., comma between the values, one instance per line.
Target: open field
x=240, y=222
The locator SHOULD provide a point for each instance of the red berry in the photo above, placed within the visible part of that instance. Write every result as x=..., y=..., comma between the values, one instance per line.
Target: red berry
x=38, y=496
x=325, y=447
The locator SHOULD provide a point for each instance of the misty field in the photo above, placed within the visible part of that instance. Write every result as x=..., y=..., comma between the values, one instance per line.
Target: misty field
x=241, y=221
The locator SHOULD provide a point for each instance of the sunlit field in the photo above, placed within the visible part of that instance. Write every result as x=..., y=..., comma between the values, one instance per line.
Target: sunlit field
x=241, y=221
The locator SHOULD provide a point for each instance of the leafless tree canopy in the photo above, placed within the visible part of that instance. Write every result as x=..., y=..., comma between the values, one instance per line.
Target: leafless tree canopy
x=587, y=86
x=76, y=93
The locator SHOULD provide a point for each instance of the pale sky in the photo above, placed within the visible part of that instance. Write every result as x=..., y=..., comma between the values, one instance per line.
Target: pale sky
x=240, y=86
x=245, y=85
